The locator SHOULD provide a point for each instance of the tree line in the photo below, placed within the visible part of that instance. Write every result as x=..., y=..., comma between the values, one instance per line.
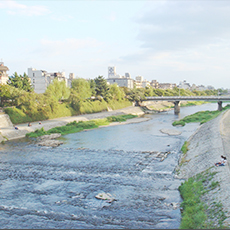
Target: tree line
x=19, y=100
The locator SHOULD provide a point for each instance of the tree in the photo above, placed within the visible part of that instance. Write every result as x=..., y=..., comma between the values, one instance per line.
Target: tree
x=20, y=82
x=58, y=89
x=116, y=92
x=82, y=88
x=102, y=88
x=92, y=87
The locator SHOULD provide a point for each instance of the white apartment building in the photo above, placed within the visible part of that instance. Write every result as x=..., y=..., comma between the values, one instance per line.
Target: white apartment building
x=40, y=79
x=3, y=75
x=122, y=81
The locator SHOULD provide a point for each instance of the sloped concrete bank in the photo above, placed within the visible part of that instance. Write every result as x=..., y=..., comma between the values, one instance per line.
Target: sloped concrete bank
x=8, y=132
x=206, y=146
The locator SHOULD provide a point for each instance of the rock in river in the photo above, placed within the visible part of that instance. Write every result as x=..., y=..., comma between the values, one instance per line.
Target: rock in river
x=170, y=131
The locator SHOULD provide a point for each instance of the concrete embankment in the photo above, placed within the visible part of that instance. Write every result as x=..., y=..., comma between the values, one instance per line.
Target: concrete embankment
x=8, y=132
x=206, y=146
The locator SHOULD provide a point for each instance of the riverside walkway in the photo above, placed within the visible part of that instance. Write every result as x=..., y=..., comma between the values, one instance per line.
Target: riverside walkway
x=8, y=132
x=176, y=100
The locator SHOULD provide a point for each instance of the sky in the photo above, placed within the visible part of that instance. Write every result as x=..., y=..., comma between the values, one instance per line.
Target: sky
x=168, y=41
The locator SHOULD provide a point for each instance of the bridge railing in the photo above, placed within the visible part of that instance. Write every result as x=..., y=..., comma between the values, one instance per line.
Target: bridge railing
x=186, y=98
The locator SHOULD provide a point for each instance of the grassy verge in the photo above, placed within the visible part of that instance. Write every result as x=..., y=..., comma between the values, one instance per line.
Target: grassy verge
x=184, y=148
x=74, y=126
x=192, y=103
x=202, y=117
x=197, y=214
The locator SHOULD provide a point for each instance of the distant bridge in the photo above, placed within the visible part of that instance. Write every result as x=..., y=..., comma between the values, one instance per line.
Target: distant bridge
x=176, y=100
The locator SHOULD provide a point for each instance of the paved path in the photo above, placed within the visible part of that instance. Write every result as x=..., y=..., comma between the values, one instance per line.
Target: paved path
x=10, y=133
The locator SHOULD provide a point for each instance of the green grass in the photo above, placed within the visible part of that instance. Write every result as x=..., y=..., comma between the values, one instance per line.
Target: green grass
x=184, y=148
x=196, y=214
x=74, y=127
x=201, y=117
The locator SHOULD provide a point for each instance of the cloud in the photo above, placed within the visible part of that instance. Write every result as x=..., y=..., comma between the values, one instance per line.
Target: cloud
x=180, y=25
x=15, y=8
x=67, y=46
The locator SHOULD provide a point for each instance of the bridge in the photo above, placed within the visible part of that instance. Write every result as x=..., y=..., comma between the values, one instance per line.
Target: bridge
x=176, y=100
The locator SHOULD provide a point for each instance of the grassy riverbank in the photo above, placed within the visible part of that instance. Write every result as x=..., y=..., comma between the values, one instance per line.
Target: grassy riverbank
x=196, y=214
x=201, y=117
x=74, y=126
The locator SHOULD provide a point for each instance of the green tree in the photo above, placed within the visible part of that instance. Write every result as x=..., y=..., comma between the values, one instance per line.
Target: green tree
x=102, y=88
x=58, y=89
x=92, y=87
x=20, y=82
x=9, y=94
x=82, y=87
x=116, y=92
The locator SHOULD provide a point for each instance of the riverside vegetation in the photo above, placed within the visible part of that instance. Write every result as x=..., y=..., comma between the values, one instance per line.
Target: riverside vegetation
x=202, y=117
x=22, y=104
x=74, y=126
x=196, y=214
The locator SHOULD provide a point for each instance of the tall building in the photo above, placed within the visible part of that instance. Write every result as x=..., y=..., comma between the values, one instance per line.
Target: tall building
x=111, y=71
x=3, y=75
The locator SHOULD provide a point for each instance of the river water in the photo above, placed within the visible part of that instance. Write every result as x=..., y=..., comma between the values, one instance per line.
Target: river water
x=42, y=187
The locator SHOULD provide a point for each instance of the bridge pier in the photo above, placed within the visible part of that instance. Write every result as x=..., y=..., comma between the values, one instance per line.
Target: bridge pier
x=220, y=105
x=176, y=107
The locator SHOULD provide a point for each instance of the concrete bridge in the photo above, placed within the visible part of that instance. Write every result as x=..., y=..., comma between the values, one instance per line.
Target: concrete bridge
x=176, y=100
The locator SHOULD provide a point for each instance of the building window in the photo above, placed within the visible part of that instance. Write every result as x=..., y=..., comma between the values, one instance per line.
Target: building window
x=33, y=80
x=33, y=74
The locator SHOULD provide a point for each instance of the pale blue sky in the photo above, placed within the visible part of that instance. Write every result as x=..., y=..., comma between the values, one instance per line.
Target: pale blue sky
x=168, y=41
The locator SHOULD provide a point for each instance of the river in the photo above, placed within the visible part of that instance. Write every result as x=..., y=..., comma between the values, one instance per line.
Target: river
x=42, y=187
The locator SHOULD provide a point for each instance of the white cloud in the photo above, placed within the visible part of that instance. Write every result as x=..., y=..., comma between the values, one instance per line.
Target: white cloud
x=67, y=46
x=179, y=25
x=15, y=8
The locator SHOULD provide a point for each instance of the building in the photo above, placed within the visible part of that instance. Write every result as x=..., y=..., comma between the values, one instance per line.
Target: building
x=3, y=75
x=154, y=84
x=122, y=81
x=111, y=72
x=69, y=81
x=184, y=85
x=141, y=83
x=166, y=85
x=40, y=79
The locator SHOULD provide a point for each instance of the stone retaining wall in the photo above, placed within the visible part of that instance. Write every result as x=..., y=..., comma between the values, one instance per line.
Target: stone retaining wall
x=205, y=148
x=5, y=121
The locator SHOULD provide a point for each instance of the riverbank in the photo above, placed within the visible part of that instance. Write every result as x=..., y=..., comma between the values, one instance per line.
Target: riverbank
x=8, y=131
x=205, y=147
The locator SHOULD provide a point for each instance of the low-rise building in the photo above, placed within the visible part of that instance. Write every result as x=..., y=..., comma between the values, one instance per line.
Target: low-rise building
x=166, y=85
x=122, y=81
x=40, y=79
x=3, y=73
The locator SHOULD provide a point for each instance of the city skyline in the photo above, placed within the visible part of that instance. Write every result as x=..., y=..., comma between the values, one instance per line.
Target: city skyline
x=167, y=41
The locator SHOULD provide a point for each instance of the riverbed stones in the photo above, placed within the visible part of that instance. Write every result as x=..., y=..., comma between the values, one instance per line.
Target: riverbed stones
x=105, y=196
x=50, y=143
x=171, y=132
x=48, y=140
x=50, y=137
